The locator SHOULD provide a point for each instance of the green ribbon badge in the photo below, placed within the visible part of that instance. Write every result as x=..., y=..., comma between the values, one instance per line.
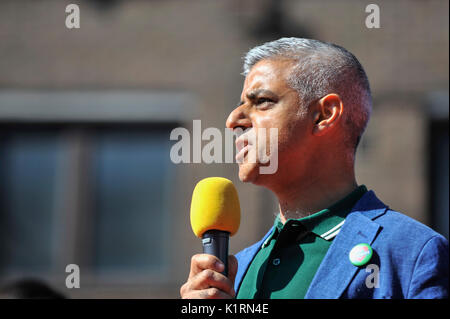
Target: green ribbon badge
x=360, y=254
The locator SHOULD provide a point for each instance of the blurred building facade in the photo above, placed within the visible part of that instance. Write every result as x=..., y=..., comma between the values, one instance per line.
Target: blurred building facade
x=86, y=114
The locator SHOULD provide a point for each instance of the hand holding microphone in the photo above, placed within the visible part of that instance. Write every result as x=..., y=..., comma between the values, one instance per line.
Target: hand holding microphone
x=215, y=215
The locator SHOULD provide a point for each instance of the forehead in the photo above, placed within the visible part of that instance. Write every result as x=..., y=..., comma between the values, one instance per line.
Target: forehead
x=269, y=74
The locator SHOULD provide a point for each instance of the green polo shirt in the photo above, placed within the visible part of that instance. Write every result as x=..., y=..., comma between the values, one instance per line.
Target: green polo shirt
x=288, y=260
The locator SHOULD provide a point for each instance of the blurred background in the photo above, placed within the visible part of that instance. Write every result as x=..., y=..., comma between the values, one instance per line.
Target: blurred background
x=85, y=118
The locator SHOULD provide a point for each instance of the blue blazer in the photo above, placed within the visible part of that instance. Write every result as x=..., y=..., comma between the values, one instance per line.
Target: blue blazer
x=412, y=258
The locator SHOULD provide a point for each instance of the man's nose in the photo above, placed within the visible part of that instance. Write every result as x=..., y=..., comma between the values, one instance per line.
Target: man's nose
x=238, y=118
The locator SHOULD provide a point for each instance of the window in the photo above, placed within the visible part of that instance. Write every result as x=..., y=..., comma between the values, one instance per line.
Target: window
x=28, y=172
x=130, y=172
x=84, y=179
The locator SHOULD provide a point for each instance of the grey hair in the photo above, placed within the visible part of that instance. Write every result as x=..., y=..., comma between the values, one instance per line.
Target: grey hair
x=322, y=68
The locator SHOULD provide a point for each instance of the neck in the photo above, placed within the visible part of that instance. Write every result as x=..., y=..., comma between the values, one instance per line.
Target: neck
x=310, y=194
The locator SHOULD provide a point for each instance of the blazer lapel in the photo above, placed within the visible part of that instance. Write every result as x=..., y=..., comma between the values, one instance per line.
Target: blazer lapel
x=245, y=257
x=336, y=271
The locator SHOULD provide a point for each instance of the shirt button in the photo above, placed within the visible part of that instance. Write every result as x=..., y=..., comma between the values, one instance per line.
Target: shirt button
x=276, y=261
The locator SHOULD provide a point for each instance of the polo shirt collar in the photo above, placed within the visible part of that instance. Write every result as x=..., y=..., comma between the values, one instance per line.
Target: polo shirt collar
x=325, y=223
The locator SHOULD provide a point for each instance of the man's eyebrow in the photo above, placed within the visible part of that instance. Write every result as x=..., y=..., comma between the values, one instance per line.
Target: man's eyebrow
x=255, y=93
x=252, y=95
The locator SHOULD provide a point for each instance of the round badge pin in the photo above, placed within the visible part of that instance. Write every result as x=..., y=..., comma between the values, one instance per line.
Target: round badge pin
x=360, y=254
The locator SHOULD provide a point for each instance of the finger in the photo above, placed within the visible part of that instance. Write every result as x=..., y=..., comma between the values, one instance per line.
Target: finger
x=200, y=262
x=210, y=293
x=203, y=284
x=211, y=279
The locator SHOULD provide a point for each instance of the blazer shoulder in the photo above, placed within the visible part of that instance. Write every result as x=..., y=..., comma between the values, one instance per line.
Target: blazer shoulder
x=391, y=220
x=403, y=226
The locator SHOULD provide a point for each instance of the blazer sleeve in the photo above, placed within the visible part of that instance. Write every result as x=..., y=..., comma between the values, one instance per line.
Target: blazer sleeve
x=430, y=276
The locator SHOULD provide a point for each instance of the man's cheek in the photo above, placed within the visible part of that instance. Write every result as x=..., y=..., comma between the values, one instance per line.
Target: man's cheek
x=268, y=150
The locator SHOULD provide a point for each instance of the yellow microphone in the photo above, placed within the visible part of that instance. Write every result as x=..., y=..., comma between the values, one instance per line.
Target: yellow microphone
x=215, y=215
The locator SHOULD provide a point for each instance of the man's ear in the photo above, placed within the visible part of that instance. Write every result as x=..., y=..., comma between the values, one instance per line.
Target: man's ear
x=328, y=113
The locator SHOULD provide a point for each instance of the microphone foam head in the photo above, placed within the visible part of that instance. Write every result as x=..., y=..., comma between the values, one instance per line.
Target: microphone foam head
x=215, y=205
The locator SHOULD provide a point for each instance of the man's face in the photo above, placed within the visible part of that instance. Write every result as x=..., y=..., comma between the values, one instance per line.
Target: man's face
x=267, y=101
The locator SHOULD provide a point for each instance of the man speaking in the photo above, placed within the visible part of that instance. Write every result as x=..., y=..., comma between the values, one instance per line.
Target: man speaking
x=332, y=237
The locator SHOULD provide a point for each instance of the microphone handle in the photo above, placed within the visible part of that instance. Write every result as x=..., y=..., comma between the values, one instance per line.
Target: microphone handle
x=215, y=242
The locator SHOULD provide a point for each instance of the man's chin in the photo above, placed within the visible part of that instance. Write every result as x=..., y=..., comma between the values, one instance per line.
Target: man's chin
x=248, y=173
